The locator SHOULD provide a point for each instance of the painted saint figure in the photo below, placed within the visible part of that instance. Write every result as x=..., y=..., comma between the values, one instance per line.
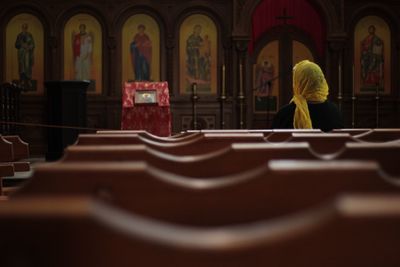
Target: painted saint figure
x=141, y=53
x=372, y=59
x=205, y=58
x=198, y=55
x=25, y=45
x=82, y=52
x=265, y=74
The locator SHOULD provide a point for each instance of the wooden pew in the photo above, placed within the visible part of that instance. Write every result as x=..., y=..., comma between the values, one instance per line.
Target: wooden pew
x=7, y=154
x=181, y=134
x=111, y=139
x=121, y=132
x=13, y=152
x=6, y=150
x=230, y=160
x=352, y=131
x=282, y=135
x=281, y=189
x=20, y=148
x=199, y=144
x=361, y=230
x=323, y=143
x=386, y=154
x=6, y=169
x=273, y=135
x=383, y=153
x=265, y=132
x=379, y=135
x=231, y=157
x=219, y=131
x=170, y=139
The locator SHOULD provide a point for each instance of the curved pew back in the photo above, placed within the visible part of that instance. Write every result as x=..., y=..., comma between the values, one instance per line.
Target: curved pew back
x=281, y=135
x=209, y=142
x=6, y=150
x=10, y=152
x=379, y=135
x=284, y=188
x=147, y=135
x=323, y=143
x=351, y=131
x=20, y=148
x=386, y=154
x=352, y=231
x=236, y=158
x=199, y=144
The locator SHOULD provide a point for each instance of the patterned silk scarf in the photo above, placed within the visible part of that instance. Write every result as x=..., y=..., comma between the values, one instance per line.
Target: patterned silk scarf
x=309, y=85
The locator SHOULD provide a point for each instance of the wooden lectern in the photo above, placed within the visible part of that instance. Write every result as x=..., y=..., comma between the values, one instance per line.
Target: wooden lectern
x=66, y=107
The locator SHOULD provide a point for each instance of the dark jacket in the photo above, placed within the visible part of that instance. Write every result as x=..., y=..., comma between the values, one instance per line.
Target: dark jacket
x=325, y=116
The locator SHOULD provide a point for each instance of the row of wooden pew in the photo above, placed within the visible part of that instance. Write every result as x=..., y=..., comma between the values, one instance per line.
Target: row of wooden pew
x=222, y=198
x=209, y=156
x=14, y=154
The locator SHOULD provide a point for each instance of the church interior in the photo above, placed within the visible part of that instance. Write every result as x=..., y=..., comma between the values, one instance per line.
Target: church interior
x=192, y=133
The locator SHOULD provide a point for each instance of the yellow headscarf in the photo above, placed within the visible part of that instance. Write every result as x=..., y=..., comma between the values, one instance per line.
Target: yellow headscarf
x=309, y=84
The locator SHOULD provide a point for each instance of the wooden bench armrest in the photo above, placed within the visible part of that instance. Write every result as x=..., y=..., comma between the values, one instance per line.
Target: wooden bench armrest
x=21, y=148
x=6, y=169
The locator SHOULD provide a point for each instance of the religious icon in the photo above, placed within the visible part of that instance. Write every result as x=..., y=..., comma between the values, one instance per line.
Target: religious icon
x=265, y=75
x=198, y=57
x=141, y=53
x=24, y=53
x=198, y=54
x=82, y=52
x=146, y=96
x=372, y=59
x=265, y=82
x=372, y=56
x=25, y=46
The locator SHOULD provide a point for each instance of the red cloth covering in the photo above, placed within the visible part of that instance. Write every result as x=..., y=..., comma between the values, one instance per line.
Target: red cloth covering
x=155, y=119
x=306, y=17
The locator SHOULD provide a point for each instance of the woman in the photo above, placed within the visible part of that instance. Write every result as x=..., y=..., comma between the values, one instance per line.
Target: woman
x=309, y=107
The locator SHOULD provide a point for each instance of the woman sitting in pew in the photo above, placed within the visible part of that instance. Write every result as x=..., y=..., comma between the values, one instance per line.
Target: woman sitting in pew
x=309, y=107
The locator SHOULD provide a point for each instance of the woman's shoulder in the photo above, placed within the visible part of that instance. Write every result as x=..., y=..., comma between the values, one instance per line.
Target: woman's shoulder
x=284, y=117
x=326, y=105
x=326, y=116
x=330, y=103
x=332, y=106
x=287, y=108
